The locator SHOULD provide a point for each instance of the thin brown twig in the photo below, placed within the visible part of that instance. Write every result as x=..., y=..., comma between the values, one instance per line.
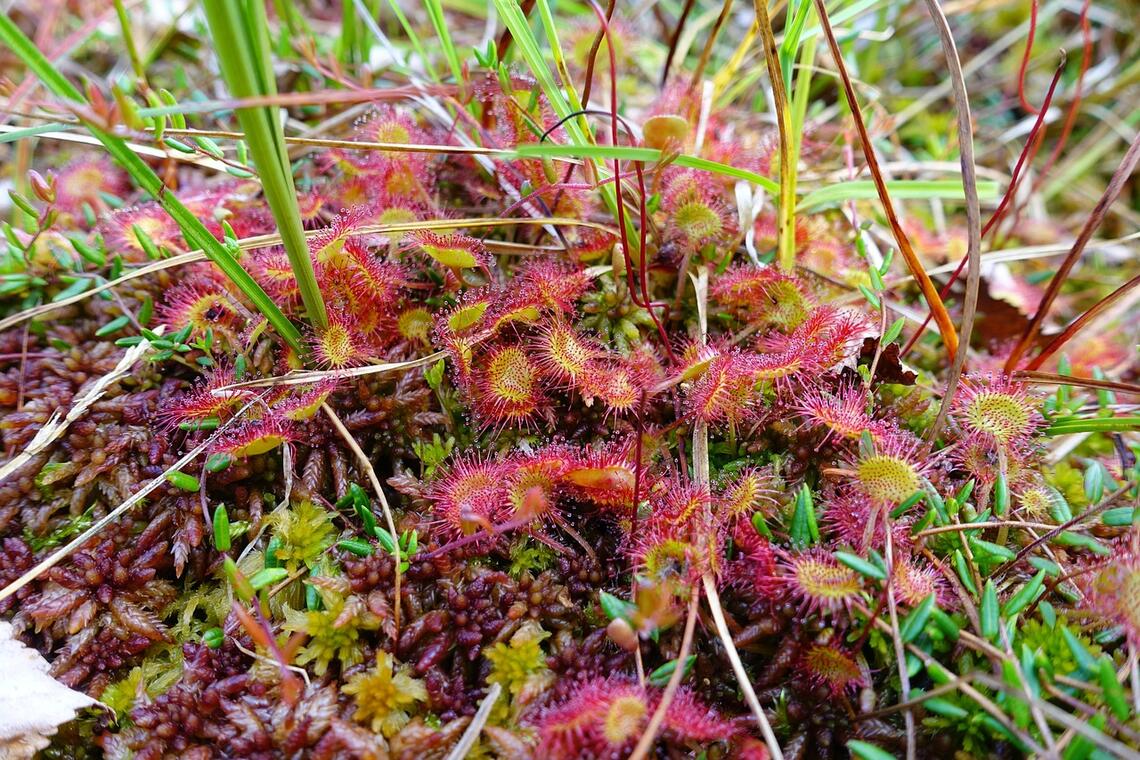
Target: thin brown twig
x=701, y=475
x=977, y=526
x=1060, y=717
x=1107, y=502
x=915, y=701
x=1081, y=323
x=1052, y=378
x=984, y=702
x=699, y=71
x=973, y=209
x=674, y=39
x=1023, y=158
x=365, y=465
x=786, y=219
x=896, y=636
x=262, y=241
x=1111, y=193
x=52, y=560
x=645, y=743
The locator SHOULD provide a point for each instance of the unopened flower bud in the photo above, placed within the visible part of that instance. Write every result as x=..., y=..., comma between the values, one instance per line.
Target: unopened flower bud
x=622, y=634
x=43, y=188
x=663, y=130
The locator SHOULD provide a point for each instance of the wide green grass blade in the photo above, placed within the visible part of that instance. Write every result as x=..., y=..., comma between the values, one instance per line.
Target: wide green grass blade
x=435, y=13
x=240, y=33
x=1093, y=425
x=195, y=233
x=903, y=189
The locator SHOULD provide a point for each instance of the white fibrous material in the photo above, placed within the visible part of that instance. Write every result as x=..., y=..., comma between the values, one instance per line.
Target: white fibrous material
x=32, y=703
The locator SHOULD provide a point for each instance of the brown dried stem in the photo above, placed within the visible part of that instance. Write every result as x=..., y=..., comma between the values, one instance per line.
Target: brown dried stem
x=1080, y=323
x=973, y=209
x=786, y=221
x=929, y=292
x=365, y=465
x=1111, y=193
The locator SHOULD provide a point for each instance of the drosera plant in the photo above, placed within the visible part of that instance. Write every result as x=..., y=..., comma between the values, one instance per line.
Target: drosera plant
x=610, y=357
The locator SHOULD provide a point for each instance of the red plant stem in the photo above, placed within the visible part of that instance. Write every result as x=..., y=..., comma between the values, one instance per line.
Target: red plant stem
x=1025, y=63
x=1080, y=323
x=1030, y=148
x=593, y=57
x=1111, y=193
x=639, y=431
x=1033, y=139
x=260, y=631
x=674, y=39
x=1075, y=105
x=643, y=276
x=495, y=530
x=504, y=44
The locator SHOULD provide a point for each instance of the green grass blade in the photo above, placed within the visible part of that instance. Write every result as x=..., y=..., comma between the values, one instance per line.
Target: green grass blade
x=435, y=13
x=649, y=155
x=791, y=42
x=525, y=42
x=414, y=38
x=859, y=190
x=195, y=233
x=240, y=33
x=1094, y=425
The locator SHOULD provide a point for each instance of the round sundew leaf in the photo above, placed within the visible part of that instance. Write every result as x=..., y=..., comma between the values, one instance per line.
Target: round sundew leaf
x=453, y=256
x=260, y=445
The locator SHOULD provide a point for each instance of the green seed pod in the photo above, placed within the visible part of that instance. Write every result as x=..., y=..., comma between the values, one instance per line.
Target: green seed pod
x=357, y=546
x=213, y=638
x=183, y=481
x=549, y=170
x=221, y=529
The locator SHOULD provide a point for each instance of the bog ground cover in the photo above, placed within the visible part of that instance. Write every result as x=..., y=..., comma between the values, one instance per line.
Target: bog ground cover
x=550, y=380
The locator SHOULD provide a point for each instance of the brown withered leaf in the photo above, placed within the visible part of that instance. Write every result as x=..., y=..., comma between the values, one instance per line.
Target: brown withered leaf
x=345, y=740
x=378, y=605
x=408, y=484
x=507, y=744
x=998, y=320
x=890, y=368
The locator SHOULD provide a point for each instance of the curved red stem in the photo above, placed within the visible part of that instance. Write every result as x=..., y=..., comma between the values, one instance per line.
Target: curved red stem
x=1032, y=142
x=1025, y=63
